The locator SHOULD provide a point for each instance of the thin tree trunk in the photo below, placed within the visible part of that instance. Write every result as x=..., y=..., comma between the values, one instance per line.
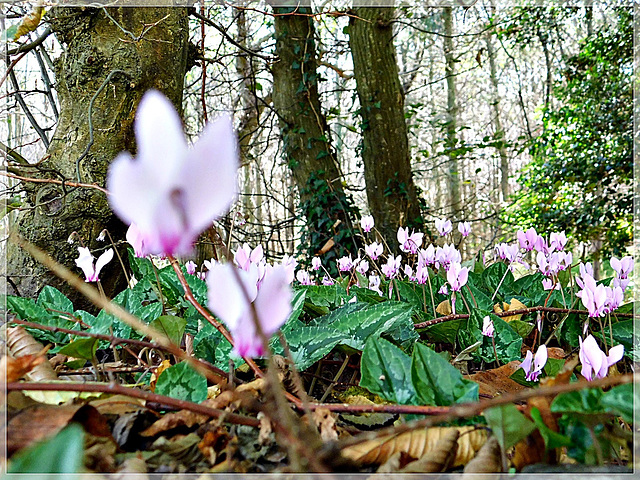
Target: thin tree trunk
x=499, y=131
x=103, y=64
x=391, y=192
x=455, y=199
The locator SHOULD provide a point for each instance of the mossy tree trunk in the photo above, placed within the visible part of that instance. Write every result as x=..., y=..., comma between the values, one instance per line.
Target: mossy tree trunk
x=103, y=63
x=391, y=192
x=306, y=139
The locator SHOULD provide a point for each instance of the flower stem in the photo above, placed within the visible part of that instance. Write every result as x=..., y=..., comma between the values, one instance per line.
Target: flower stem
x=500, y=284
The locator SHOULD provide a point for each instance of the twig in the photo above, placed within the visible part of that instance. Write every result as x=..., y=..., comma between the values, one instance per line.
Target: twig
x=471, y=409
x=136, y=393
x=25, y=109
x=57, y=182
x=30, y=46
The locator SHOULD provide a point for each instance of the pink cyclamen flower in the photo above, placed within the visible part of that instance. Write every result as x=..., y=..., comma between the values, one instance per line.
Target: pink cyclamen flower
x=316, y=263
x=363, y=267
x=327, y=281
x=171, y=192
x=595, y=363
x=464, y=228
x=409, y=243
x=593, y=296
x=547, y=284
x=622, y=267
x=533, y=367
x=303, y=277
x=391, y=268
x=427, y=256
x=374, y=284
x=487, y=327
x=447, y=255
x=615, y=296
x=444, y=290
x=135, y=238
x=367, y=223
x=191, y=267
x=527, y=239
x=457, y=276
x=345, y=264
x=231, y=301
x=508, y=252
x=374, y=250
x=444, y=226
x=244, y=256
x=422, y=274
x=557, y=241
x=623, y=283
x=289, y=263
x=85, y=262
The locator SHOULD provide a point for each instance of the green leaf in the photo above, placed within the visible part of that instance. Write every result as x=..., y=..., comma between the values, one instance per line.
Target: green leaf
x=551, y=439
x=64, y=453
x=409, y=294
x=492, y=276
x=171, y=327
x=26, y=309
x=507, y=342
x=508, y=424
x=521, y=328
x=623, y=333
x=54, y=299
x=309, y=344
x=84, y=348
x=182, y=382
x=436, y=381
x=622, y=400
x=386, y=371
x=325, y=295
x=446, y=332
x=581, y=401
x=141, y=267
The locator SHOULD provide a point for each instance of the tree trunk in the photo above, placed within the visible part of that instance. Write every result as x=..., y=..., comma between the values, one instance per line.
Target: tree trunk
x=455, y=199
x=100, y=62
x=391, y=192
x=305, y=136
x=499, y=131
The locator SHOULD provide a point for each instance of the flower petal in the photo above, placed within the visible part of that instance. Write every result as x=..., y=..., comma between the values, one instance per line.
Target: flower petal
x=103, y=259
x=210, y=174
x=226, y=297
x=273, y=303
x=615, y=354
x=85, y=262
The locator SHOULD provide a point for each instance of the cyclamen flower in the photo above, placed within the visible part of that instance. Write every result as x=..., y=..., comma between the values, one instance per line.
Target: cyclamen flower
x=290, y=264
x=464, y=228
x=172, y=192
x=422, y=274
x=623, y=283
x=135, y=238
x=622, y=267
x=447, y=255
x=363, y=267
x=102, y=235
x=191, y=267
x=548, y=265
x=374, y=250
x=487, y=327
x=547, y=284
x=443, y=226
x=316, y=263
x=614, y=299
x=527, y=239
x=231, y=302
x=457, y=276
x=408, y=272
x=85, y=262
x=391, y=268
x=303, y=277
x=374, y=284
x=558, y=240
x=532, y=372
x=427, y=256
x=409, y=243
x=443, y=290
x=244, y=257
x=367, y=223
x=507, y=252
x=345, y=264
x=595, y=363
x=593, y=296
x=327, y=281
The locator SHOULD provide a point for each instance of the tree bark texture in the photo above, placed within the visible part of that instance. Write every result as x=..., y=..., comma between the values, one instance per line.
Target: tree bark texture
x=111, y=69
x=455, y=199
x=306, y=139
x=391, y=192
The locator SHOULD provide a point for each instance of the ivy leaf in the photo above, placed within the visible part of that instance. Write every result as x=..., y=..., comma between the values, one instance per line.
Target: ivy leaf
x=436, y=381
x=84, y=348
x=386, y=371
x=54, y=299
x=171, y=327
x=182, y=382
x=508, y=424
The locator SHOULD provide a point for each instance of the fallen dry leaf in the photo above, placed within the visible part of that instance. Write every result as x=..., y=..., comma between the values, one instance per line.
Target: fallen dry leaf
x=440, y=458
x=155, y=373
x=444, y=308
x=326, y=423
x=21, y=344
x=488, y=459
x=183, y=418
x=30, y=22
x=513, y=305
x=264, y=436
x=13, y=369
x=326, y=247
x=528, y=451
x=396, y=462
x=117, y=404
x=496, y=381
x=416, y=443
x=43, y=421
